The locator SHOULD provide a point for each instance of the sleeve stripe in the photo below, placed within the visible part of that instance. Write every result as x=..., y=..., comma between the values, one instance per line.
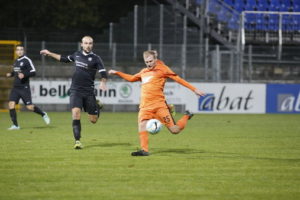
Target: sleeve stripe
x=69, y=58
x=102, y=70
x=31, y=64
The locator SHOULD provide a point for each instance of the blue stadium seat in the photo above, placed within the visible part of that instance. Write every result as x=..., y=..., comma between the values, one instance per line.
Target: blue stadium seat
x=286, y=2
x=223, y=15
x=264, y=22
x=229, y=2
x=261, y=23
x=213, y=7
x=250, y=5
x=239, y=6
x=233, y=23
x=296, y=22
x=287, y=22
x=273, y=22
x=274, y=5
x=275, y=2
x=199, y=2
x=296, y=7
x=250, y=21
x=296, y=2
x=284, y=8
x=262, y=5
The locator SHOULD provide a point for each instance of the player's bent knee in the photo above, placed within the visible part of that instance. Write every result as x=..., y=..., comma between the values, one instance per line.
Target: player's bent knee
x=174, y=129
x=11, y=105
x=93, y=119
x=175, y=132
x=76, y=113
x=30, y=107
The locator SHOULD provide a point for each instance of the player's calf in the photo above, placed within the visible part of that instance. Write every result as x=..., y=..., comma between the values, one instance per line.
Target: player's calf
x=189, y=114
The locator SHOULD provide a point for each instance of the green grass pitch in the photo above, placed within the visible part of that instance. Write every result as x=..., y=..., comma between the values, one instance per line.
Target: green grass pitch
x=230, y=157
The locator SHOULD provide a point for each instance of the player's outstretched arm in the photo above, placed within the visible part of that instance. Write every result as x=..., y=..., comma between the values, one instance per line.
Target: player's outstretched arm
x=127, y=77
x=187, y=84
x=112, y=71
x=199, y=93
x=45, y=52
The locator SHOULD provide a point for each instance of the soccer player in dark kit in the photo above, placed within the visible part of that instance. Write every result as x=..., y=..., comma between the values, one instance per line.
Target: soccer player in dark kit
x=82, y=88
x=23, y=69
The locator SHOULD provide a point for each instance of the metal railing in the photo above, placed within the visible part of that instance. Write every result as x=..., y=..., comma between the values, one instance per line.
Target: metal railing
x=260, y=63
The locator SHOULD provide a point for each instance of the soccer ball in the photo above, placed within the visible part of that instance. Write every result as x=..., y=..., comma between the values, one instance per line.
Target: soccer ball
x=153, y=126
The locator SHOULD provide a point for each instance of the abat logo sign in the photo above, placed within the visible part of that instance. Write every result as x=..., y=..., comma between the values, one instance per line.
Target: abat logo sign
x=288, y=103
x=226, y=100
x=283, y=98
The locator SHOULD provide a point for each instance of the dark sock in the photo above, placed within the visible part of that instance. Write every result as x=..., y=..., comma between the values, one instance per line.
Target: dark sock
x=38, y=111
x=98, y=109
x=76, y=129
x=13, y=116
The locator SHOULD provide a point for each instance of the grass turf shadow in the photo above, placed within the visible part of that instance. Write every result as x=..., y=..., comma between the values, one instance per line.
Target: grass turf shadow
x=177, y=151
x=107, y=145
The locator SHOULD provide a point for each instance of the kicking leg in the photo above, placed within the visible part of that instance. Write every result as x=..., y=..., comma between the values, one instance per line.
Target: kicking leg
x=38, y=111
x=93, y=107
x=181, y=123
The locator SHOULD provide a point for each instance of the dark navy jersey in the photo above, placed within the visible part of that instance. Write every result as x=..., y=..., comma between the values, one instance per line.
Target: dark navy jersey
x=86, y=66
x=23, y=65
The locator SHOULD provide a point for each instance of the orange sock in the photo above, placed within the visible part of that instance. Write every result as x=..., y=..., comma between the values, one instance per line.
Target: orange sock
x=144, y=140
x=182, y=122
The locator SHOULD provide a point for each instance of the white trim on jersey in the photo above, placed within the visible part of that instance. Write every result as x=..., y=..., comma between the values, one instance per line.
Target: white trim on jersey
x=31, y=64
x=69, y=59
x=102, y=70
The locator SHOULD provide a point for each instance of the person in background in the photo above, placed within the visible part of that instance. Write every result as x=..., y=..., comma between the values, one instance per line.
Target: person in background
x=23, y=69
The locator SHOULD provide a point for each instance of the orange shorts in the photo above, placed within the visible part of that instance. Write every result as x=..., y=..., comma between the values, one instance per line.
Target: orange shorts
x=161, y=113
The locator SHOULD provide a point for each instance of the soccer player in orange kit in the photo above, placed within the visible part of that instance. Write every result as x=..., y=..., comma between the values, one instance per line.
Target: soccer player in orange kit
x=153, y=103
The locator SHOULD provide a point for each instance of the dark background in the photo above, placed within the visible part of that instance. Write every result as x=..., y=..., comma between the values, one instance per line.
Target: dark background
x=19, y=18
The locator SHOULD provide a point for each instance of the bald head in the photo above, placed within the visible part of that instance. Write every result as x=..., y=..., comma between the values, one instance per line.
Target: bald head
x=87, y=44
x=87, y=38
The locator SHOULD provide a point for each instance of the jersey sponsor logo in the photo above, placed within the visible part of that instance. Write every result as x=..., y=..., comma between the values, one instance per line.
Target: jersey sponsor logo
x=81, y=64
x=146, y=79
x=17, y=69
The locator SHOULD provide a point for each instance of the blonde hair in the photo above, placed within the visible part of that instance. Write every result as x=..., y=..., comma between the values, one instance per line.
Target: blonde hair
x=151, y=53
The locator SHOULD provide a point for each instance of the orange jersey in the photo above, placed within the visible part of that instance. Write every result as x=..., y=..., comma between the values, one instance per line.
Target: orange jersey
x=153, y=83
